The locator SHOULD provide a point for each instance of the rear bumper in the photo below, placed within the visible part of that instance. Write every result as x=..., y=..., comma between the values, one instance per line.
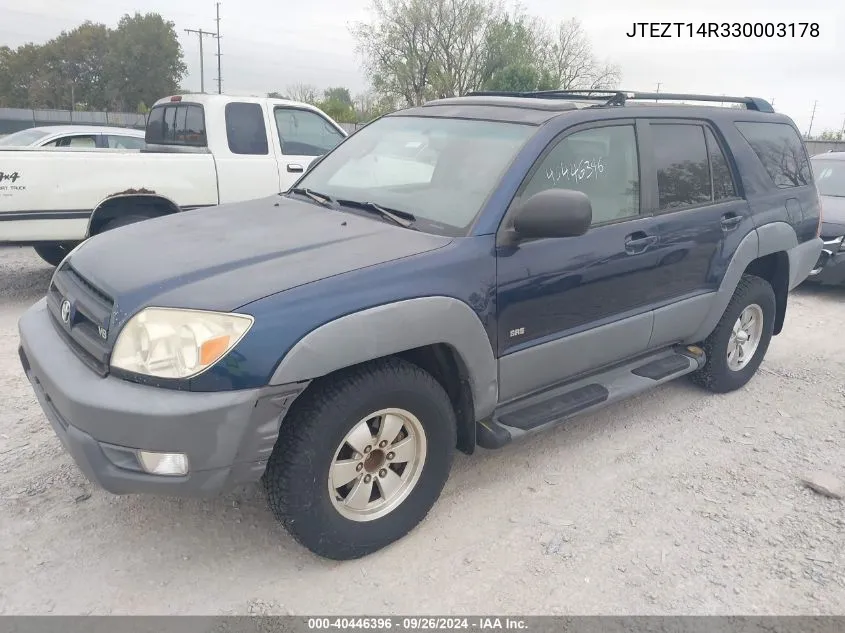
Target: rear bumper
x=802, y=260
x=104, y=422
x=830, y=267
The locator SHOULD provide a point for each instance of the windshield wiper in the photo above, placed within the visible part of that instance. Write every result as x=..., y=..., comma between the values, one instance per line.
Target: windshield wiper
x=402, y=218
x=316, y=196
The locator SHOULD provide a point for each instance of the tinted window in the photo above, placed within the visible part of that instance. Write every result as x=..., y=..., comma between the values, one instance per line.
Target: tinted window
x=305, y=133
x=723, y=185
x=245, y=128
x=600, y=162
x=124, y=142
x=177, y=124
x=781, y=151
x=683, y=172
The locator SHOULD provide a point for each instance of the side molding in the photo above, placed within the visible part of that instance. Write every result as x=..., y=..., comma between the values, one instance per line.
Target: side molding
x=768, y=239
x=393, y=328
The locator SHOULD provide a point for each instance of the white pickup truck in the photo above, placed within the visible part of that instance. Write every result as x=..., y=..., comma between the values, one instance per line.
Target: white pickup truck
x=201, y=150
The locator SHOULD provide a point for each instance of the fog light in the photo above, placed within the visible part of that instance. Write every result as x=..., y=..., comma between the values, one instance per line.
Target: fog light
x=164, y=463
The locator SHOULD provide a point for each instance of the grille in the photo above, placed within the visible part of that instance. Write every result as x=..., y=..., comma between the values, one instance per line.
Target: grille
x=89, y=309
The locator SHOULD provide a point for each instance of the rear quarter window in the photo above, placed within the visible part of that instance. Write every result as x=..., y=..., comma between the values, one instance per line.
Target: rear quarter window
x=781, y=150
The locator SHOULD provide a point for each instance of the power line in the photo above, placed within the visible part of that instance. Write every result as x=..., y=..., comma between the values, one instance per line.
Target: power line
x=219, y=54
x=200, y=33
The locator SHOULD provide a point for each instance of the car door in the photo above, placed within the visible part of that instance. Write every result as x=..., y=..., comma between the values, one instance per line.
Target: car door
x=304, y=135
x=700, y=220
x=248, y=170
x=570, y=305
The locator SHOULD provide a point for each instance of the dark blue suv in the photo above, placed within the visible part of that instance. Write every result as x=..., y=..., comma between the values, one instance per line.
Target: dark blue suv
x=453, y=275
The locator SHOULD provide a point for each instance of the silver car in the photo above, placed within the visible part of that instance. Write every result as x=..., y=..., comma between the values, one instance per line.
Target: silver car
x=100, y=137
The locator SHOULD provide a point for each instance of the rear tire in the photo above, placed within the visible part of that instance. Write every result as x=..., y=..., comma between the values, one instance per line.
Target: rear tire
x=123, y=220
x=53, y=254
x=737, y=346
x=391, y=484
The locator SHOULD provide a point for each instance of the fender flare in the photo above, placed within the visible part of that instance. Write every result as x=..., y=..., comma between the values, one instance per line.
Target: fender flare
x=132, y=193
x=765, y=240
x=393, y=328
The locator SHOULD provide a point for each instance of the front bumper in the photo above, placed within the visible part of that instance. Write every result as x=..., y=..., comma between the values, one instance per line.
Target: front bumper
x=103, y=422
x=830, y=268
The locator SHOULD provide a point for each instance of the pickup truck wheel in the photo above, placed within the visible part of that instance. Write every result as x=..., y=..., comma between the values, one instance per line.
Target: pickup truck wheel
x=53, y=254
x=123, y=220
x=361, y=458
x=737, y=346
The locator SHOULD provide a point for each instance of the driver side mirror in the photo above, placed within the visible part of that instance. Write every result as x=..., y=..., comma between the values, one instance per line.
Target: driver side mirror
x=554, y=213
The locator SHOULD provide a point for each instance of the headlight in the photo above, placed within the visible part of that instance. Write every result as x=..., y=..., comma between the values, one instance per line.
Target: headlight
x=171, y=343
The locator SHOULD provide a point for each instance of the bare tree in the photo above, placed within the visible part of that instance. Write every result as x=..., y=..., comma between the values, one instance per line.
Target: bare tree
x=399, y=48
x=306, y=93
x=568, y=57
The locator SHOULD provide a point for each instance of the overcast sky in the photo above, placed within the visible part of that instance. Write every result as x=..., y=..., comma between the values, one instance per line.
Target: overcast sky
x=270, y=44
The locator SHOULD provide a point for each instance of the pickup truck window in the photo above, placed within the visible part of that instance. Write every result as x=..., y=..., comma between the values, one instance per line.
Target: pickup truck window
x=599, y=162
x=440, y=170
x=305, y=133
x=245, y=129
x=176, y=124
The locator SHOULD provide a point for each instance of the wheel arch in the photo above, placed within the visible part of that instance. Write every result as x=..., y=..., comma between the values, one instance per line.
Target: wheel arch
x=764, y=253
x=442, y=335
x=115, y=205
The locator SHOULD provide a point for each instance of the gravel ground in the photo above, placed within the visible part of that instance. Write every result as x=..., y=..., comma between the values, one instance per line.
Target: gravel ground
x=676, y=502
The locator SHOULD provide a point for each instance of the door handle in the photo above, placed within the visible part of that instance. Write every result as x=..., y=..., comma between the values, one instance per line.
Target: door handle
x=730, y=221
x=639, y=242
x=295, y=168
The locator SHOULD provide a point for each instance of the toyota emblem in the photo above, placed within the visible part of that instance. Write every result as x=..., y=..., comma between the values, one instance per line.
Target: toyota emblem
x=66, y=311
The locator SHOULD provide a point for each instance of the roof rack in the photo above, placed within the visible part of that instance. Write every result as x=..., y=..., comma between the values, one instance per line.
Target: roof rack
x=619, y=97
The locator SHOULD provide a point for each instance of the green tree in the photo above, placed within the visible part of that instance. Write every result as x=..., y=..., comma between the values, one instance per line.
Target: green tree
x=414, y=50
x=145, y=60
x=275, y=95
x=337, y=103
x=94, y=67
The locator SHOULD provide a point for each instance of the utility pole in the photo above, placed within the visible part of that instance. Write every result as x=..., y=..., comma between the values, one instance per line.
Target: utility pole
x=219, y=73
x=812, y=117
x=201, y=33
x=658, y=90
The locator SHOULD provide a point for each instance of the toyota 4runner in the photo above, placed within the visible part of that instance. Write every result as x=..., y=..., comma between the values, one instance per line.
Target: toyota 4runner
x=453, y=275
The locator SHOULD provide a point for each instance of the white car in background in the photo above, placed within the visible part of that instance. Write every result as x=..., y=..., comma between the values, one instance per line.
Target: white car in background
x=93, y=137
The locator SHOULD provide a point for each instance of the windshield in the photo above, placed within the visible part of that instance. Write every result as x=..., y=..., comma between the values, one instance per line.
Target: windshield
x=440, y=170
x=23, y=138
x=830, y=176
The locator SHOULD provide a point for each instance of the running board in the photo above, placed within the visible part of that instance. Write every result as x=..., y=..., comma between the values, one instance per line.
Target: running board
x=552, y=406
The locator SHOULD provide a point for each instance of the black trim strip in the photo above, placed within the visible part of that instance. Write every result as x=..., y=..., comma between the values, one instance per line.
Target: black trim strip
x=45, y=215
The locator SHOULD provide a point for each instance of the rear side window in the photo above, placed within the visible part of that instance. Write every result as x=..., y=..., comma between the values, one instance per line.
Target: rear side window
x=723, y=184
x=177, y=124
x=124, y=142
x=683, y=171
x=245, y=129
x=781, y=151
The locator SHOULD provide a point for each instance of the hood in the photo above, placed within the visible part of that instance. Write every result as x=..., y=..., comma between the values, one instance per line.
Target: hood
x=833, y=216
x=223, y=257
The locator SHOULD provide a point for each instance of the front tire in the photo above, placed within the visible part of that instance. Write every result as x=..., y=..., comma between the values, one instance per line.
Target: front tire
x=361, y=458
x=737, y=346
